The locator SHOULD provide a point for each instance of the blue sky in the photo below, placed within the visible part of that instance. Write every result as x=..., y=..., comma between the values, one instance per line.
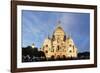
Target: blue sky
x=38, y=25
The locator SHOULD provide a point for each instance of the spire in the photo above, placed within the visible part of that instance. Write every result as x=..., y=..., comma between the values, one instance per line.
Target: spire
x=48, y=37
x=69, y=36
x=59, y=24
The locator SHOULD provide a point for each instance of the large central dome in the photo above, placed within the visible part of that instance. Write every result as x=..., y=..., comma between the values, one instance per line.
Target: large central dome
x=59, y=30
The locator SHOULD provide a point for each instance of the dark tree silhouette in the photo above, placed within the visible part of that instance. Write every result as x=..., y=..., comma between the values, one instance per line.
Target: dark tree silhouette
x=84, y=55
x=30, y=54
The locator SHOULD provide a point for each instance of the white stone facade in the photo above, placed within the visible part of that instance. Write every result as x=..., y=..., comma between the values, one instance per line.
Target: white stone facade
x=59, y=45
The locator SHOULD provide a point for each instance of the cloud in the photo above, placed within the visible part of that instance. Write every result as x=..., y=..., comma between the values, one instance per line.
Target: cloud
x=34, y=28
x=37, y=25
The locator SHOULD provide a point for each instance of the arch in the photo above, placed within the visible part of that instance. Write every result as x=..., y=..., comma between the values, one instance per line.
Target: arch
x=46, y=51
x=58, y=57
x=64, y=57
x=46, y=45
x=52, y=57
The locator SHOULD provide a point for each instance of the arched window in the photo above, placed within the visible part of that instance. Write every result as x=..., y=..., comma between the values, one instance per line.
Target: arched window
x=58, y=48
x=70, y=51
x=64, y=38
x=70, y=45
x=46, y=51
x=46, y=45
x=52, y=57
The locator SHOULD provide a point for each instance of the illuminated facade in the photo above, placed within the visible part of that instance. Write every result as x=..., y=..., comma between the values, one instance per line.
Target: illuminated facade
x=59, y=45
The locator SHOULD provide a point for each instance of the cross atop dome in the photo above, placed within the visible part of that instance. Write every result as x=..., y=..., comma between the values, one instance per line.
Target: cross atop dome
x=59, y=23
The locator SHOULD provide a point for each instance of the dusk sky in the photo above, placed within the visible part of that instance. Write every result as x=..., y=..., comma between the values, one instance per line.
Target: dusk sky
x=38, y=25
